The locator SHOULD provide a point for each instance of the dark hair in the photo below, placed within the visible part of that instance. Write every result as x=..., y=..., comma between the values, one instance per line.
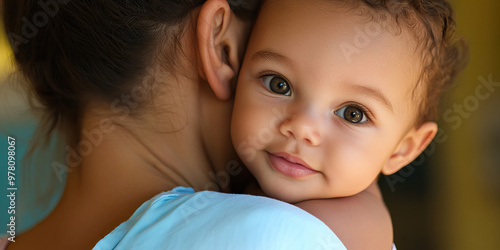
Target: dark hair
x=445, y=55
x=69, y=50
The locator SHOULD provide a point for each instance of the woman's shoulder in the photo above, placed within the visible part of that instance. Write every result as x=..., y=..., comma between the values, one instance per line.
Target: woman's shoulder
x=183, y=219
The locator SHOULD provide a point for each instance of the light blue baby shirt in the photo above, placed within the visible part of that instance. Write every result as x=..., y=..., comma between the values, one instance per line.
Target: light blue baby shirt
x=184, y=219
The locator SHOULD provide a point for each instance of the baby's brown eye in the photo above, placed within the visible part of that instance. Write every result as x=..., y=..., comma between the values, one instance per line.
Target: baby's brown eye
x=352, y=114
x=277, y=85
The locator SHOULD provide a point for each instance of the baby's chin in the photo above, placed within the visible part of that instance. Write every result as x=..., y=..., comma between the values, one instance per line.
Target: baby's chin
x=294, y=196
x=288, y=196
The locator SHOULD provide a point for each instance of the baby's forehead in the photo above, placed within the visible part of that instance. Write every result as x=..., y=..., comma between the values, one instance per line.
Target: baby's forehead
x=438, y=55
x=310, y=28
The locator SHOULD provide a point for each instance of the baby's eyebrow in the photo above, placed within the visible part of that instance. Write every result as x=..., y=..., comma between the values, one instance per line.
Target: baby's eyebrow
x=375, y=93
x=269, y=55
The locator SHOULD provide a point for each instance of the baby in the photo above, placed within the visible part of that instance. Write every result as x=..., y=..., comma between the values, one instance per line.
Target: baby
x=333, y=93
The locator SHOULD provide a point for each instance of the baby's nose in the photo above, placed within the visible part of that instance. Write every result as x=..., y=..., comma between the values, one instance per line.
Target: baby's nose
x=302, y=127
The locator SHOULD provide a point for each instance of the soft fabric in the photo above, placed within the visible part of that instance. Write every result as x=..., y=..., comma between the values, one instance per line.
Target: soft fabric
x=184, y=219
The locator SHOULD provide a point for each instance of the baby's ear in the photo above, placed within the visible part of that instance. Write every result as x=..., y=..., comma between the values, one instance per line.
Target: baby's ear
x=415, y=141
x=218, y=45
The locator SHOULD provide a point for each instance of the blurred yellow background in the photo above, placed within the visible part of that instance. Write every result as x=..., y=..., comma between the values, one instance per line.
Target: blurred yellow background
x=452, y=200
x=467, y=176
x=5, y=55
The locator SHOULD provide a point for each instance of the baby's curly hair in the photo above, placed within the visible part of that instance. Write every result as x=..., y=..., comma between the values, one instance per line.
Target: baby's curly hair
x=444, y=55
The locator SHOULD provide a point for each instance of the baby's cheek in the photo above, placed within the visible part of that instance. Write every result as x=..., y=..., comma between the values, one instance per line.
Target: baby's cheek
x=356, y=165
x=245, y=127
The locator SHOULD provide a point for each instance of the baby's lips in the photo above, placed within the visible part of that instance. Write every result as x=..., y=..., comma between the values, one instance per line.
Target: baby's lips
x=293, y=159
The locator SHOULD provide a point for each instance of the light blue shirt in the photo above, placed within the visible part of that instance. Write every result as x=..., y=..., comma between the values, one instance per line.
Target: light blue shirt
x=184, y=219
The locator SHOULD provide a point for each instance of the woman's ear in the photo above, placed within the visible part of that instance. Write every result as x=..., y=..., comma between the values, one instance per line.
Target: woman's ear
x=415, y=141
x=220, y=44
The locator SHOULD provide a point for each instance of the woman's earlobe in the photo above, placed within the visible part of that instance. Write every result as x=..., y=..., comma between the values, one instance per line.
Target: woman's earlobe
x=214, y=43
x=415, y=141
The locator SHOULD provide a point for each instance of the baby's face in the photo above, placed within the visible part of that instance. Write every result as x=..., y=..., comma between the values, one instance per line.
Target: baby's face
x=318, y=110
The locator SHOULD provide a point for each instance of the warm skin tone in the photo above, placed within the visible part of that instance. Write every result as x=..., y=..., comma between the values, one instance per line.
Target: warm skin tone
x=311, y=124
x=135, y=161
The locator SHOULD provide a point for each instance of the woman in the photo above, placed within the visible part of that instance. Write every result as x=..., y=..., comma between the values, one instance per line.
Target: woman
x=142, y=91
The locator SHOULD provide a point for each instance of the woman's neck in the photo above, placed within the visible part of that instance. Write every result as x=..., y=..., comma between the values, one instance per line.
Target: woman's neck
x=122, y=166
